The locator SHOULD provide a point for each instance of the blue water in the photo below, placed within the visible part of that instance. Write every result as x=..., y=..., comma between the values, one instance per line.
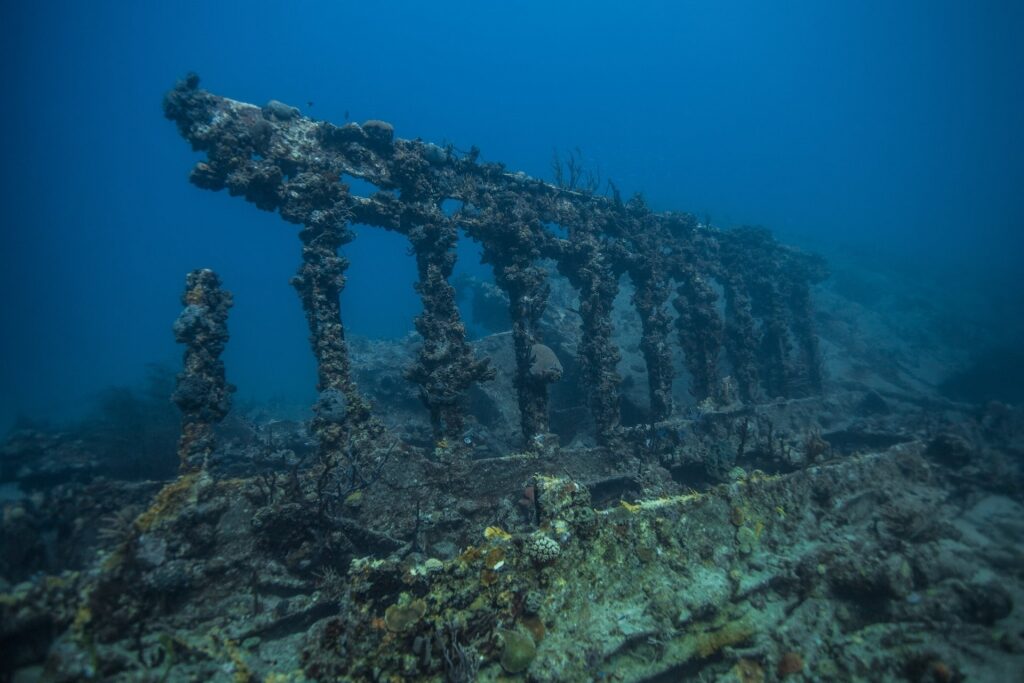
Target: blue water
x=889, y=130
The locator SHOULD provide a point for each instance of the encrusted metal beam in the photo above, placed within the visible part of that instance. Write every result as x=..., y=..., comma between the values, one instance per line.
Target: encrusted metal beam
x=280, y=160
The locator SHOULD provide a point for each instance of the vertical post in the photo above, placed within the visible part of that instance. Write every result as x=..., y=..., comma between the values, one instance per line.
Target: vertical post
x=775, y=341
x=741, y=338
x=202, y=394
x=445, y=368
x=700, y=331
x=649, y=299
x=528, y=293
x=806, y=270
x=647, y=263
x=588, y=271
x=319, y=282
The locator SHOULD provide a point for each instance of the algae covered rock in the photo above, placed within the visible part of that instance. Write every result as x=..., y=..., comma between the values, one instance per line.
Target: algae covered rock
x=400, y=618
x=518, y=651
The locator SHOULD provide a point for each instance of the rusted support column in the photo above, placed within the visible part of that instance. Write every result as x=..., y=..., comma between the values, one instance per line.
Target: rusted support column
x=446, y=367
x=528, y=293
x=591, y=274
x=811, y=271
x=652, y=292
x=319, y=282
x=315, y=199
x=775, y=340
x=508, y=227
x=753, y=255
x=741, y=338
x=202, y=394
x=700, y=330
x=807, y=341
x=647, y=264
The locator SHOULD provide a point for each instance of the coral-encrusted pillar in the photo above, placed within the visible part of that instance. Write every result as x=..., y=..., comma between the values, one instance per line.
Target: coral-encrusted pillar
x=741, y=338
x=589, y=272
x=776, y=344
x=806, y=271
x=445, y=368
x=319, y=282
x=651, y=294
x=700, y=330
x=528, y=292
x=647, y=264
x=202, y=394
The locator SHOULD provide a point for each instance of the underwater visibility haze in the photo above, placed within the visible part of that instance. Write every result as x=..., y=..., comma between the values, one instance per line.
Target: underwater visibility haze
x=529, y=341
